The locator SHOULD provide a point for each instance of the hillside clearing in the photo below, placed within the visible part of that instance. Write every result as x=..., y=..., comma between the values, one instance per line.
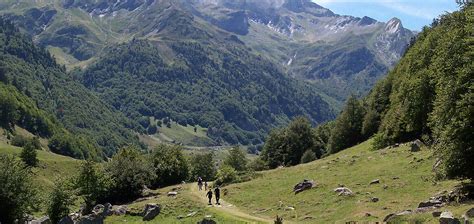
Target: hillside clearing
x=406, y=179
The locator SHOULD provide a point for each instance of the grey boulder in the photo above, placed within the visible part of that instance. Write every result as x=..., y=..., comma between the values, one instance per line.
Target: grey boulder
x=448, y=218
x=151, y=211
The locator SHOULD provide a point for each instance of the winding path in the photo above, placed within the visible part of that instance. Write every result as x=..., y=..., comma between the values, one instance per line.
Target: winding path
x=224, y=207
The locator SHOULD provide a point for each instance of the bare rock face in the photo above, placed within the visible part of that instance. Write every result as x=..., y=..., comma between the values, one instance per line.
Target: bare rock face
x=302, y=186
x=151, y=211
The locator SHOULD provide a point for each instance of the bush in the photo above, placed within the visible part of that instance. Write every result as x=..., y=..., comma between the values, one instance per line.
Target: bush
x=203, y=166
x=17, y=193
x=347, y=129
x=19, y=140
x=236, y=159
x=308, y=156
x=60, y=200
x=258, y=165
x=285, y=146
x=152, y=129
x=170, y=165
x=130, y=172
x=28, y=154
x=226, y=175
x=93, y=185
x=379, y=142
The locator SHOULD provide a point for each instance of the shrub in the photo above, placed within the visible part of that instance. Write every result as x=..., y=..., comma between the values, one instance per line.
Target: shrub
x=130, y=172
x=170, y=165
x=17, y=193
x=236, y=159
x=203, y=166
x=93, y=185
x=308, y=156
x=258, y=165
x=28, y=154
x=60, y=200
x=19, y=140
x=226, y=175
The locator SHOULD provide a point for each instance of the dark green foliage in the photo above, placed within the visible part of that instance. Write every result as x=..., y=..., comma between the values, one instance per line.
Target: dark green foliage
x=236, y=159
x=28, y=154
x=17, y=191
x=322, y=133
x=370, y=123
x=203, y=166
x=35, y=73
x=18, y=109
x=347, y=129
x=19, y=140
x=308, y=156
x=60, y=200
x=8, y=112
x=237, y=95
x=258, y=164
x=428, y=95
x=152, y=129
x=169, y=164
x=452, y=118
x=285, y=146
x=92, y=184
x=226, y=175
x=130, y=172
x=74, y=146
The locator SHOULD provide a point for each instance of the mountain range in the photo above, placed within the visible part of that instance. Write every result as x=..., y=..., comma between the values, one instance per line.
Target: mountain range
x=238, y=68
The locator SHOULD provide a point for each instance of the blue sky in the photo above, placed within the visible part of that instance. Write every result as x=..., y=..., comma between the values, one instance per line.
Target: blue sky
x=414, y=13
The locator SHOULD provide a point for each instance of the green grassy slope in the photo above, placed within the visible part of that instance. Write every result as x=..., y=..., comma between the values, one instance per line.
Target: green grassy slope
x=271, y=194
x=50, y=166
x=186, y=203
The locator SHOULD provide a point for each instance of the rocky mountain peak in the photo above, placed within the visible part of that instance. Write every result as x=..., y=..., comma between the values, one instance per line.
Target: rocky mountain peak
x=299, y=5
x=394, y=25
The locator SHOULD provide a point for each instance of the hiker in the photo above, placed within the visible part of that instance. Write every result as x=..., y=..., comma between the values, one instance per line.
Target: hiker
x=217, y=192
x=209, y=195
x=200, y=183
x=205, y=185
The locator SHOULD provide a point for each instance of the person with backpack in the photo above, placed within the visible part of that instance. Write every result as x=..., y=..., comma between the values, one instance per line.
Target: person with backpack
x=217, y=192
x=209, y=195
x=199, y=183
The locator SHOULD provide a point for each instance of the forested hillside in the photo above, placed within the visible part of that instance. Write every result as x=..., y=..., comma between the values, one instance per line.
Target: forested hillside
x=237, y=95
x=35, y=74
x=427, y=96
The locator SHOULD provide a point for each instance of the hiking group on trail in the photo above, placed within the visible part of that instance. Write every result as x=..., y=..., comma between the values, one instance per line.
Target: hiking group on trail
x=217, y=191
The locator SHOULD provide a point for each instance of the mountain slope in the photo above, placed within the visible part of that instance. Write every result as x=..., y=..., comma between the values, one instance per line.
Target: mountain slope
x=35, y=73
x=238, y=96
x=313, y=43
x=294, y=34
x=271, y=193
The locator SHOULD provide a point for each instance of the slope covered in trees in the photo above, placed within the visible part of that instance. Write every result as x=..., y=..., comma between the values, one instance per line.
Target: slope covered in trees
x=36, y=75
x=427, y=96
x=237, y=95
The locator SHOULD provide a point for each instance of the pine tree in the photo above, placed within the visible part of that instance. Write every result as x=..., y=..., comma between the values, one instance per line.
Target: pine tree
x=347, y=129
